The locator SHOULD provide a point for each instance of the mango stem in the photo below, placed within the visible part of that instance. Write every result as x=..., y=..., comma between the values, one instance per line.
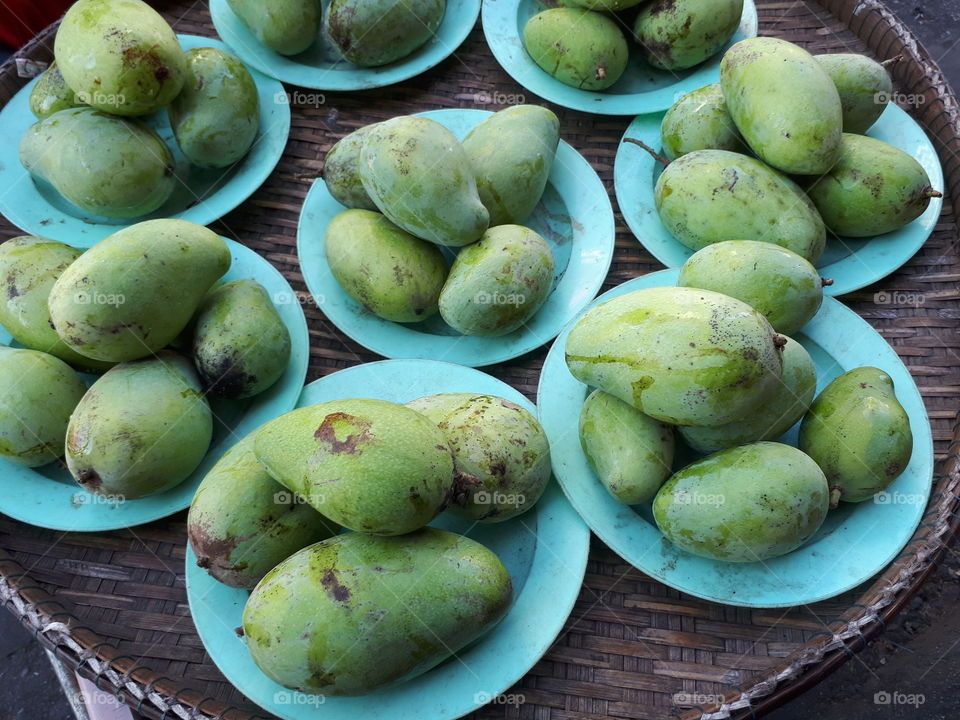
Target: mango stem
x=891, y=61
x=779, y=341
x=656, y=156
x=826, y=282
x=835, y=494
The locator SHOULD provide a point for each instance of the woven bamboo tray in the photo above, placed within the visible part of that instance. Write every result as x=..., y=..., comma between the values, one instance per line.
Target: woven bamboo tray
x=113, y=605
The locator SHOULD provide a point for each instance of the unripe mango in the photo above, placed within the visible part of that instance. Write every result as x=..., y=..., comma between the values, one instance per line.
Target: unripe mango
x=371, y=33
x=51, y=94
x=699, y=121
x=678, y=34
x=284, y=26
x=863, y=85
x=341, y=171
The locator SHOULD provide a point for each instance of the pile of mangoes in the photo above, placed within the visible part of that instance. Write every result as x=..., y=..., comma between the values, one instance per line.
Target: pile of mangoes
x=266, y=517
x=774, y=152
x=369, y=33
x=117, y=62
x=581, y=43
x=413, y=188
x=143, y=308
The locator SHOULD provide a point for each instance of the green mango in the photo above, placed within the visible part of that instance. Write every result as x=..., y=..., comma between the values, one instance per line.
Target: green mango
x=37, y=394
x=119, y=56
x=679, y=355
x=788, y=402
x=341, y=171
x=512, y=153
x=216, y=116
x=678, y=34
x=873, y=189
x=783, y=286
x=414, y=600
x=242, y=523
x=497, y=443
x=859, y=433
x=708, y=196
x=104, y=165
x=784, y=104
x=371, y=33
x=418, y=174
x=134, y=291
x=142, y=427
x=284, y=26
x=368, y=465
x=863, y=85
x=699, y=121
x=497, y=284
x=580, y=48
x=241, y=346
x=630, y=453
x=390, y=272
x=51, y=94
x=746, y=504
x=29, y=266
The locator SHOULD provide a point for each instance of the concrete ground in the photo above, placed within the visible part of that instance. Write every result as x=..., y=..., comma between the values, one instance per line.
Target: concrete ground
x=908, y=673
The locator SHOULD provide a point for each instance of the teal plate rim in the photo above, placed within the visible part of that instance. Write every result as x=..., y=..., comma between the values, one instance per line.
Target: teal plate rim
x=856, y=542
x=459, y=17
x=502, y=20
x=852, y=263
x=58, y=503
x=592, y=245
x=483, y=670
x=24, y=205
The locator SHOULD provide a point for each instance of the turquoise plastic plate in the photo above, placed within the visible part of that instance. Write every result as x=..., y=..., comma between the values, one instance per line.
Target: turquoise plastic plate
x=852, y=263
x=857, y=540
x=574, y=217
x=641, y=89
x=201, y=196
x=545, y=551
x=322, y=68
x=48, y=497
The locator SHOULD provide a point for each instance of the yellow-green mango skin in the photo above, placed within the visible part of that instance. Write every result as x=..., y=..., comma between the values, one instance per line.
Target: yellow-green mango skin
x=105, y=165
x=241, y=346
x=119, y=56
x=29, y=266
x=419, y=176
x=699, y=121
x=778, y=413
x=368, y=465
x=874, y=188
x=779, y=283
x=216, y=116
x=630, y=453
x=51, y=94
x=141, y=428
x=242, y=523
x=580, y=48
x=356, y=613
x=284, y=26
x=746, y=504
x=512, y=153
x=709, y=196
x=390, y=272
x=341, y=171
x=679, y=355
x=141, y=286
x=863, y=85
x=499, y=444
x=371, y=33
x=859, y=433
x=497, y=284
x=678, y=34
x=784, y=104
x=37, y=394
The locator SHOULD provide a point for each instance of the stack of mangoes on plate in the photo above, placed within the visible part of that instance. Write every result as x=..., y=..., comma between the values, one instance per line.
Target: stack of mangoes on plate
x=117, y=62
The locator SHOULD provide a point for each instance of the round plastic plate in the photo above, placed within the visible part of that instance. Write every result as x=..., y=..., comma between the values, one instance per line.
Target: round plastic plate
x=545, y=551
x=574, y=217
x=320, y=67
x=852, y=263
x=201, y=196
x=857, y=540
x=641, y=89
x=48, y=497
